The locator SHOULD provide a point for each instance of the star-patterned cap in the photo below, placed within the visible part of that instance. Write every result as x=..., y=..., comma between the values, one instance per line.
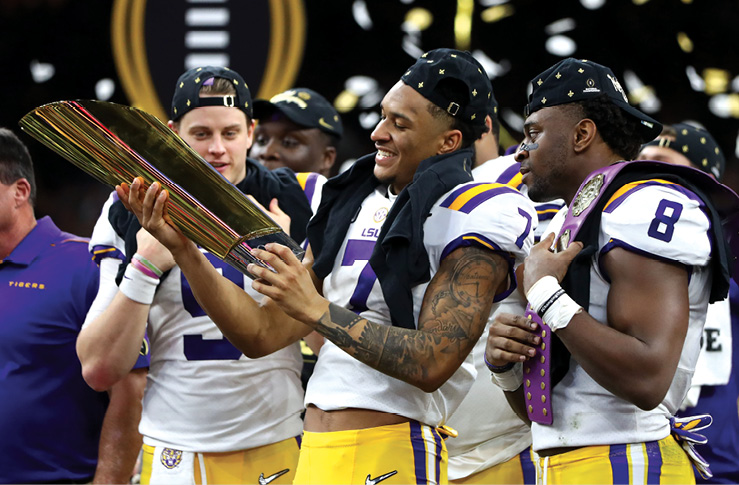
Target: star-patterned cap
x=187, y=91
x=434, y=66
x=492, y=104
x=697, y=145
x=573, y=80
x=302, y=106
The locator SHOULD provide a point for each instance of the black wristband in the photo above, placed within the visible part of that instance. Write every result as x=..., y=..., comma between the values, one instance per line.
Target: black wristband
x=550, y=301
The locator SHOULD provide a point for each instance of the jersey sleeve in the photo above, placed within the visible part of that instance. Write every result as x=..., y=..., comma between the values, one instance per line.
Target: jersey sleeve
x=506, y=170
x=487, y=215
x=105, y=294
x=657, y=219
x=312, y=185
x=105, y=242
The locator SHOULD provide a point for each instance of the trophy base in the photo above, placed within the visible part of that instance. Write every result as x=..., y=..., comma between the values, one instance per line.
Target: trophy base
x=240, y=255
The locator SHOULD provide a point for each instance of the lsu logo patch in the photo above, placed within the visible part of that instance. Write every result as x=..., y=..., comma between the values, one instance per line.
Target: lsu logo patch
x=380, y=215
x=171, y=458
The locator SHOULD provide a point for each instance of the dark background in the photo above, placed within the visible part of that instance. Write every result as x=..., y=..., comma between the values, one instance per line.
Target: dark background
x=74, y=38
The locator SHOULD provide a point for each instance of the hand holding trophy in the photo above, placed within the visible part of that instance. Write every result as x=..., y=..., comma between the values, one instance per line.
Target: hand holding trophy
x=117, y=144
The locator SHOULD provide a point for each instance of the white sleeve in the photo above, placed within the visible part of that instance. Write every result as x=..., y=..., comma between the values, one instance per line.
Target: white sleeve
x=105, y=242
x=555, y=224
x=659, y=220
x=493, y=216
x=107, y=289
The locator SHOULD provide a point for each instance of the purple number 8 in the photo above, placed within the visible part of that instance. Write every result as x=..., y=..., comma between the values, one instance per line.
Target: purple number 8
x=663, y=224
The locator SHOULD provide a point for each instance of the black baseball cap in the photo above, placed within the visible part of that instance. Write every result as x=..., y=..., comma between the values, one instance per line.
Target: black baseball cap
x=304, y=107
x=697, y=145
x=573, y=80
x=433, y=67
x=187, y=92
x=492, y=105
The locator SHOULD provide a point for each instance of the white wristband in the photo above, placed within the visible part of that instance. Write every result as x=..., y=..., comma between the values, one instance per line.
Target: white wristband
x=137, y=286
x=509, y=380
x=558, y=307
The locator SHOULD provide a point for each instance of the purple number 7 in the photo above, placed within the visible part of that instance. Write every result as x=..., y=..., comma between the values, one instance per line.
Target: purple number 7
x=522, y=237
x=360, y=250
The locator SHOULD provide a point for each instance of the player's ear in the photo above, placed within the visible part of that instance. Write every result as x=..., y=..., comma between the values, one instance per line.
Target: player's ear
x=22, y=191
x=174, y=126
x=329, y=157
x=584, y=134
x=451, y=141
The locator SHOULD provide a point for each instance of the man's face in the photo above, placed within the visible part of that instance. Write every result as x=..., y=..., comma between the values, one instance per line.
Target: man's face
x=663, y=154
x=406, y=135
x=221, y=135
x=279, y=142
x=543, y=155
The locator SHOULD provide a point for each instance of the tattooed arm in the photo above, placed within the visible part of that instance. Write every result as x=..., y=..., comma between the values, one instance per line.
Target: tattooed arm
x=453, y=314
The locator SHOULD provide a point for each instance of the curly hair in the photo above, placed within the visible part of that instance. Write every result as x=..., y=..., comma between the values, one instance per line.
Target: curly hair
x=618, y=129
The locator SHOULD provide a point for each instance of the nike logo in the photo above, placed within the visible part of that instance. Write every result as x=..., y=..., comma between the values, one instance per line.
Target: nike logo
x=269, y=479
x=374, y=481
x=324, y=124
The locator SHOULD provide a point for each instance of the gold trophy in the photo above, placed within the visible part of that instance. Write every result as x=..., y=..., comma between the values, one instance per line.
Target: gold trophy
x=115, y=143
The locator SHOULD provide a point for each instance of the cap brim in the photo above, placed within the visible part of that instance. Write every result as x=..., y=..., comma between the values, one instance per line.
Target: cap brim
x=262, y=108
x=649, y=128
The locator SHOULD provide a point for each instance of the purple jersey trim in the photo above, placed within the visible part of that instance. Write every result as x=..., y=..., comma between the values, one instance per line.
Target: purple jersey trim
x=478, y=199
x=613, y=204
x=509, y=173
x=310, y=186
x=144, y=358
x=453, y=196
x=101, y=252
x=480, y=241
x=617, y=243
x=547, y=211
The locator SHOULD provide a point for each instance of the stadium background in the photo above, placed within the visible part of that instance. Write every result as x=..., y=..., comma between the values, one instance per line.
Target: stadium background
x=677, y=59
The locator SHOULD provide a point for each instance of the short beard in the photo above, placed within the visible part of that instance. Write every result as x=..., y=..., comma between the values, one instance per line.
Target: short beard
x=543, y=189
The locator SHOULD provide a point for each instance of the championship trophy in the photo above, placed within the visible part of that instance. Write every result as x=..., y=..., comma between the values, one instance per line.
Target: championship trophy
x=115, y=143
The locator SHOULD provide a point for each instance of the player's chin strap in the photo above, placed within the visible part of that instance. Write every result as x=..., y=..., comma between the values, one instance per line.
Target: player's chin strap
x=684, y=431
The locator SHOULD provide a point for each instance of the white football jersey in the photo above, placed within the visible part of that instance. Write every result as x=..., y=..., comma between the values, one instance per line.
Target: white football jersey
x=203, y=394
x=506, y=170
x=489, y=430
x=657, y=219
x=492, y=216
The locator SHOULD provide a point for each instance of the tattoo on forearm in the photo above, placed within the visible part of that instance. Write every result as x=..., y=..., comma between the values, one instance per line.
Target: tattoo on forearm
x=453, y=316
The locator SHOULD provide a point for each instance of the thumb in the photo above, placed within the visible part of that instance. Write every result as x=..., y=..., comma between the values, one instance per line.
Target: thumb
x=544, y=244
x=572, y=250
x=274, y=206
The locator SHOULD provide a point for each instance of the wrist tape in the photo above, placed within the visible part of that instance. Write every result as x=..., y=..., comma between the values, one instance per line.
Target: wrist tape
x=509, y=380
x=552, y=303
